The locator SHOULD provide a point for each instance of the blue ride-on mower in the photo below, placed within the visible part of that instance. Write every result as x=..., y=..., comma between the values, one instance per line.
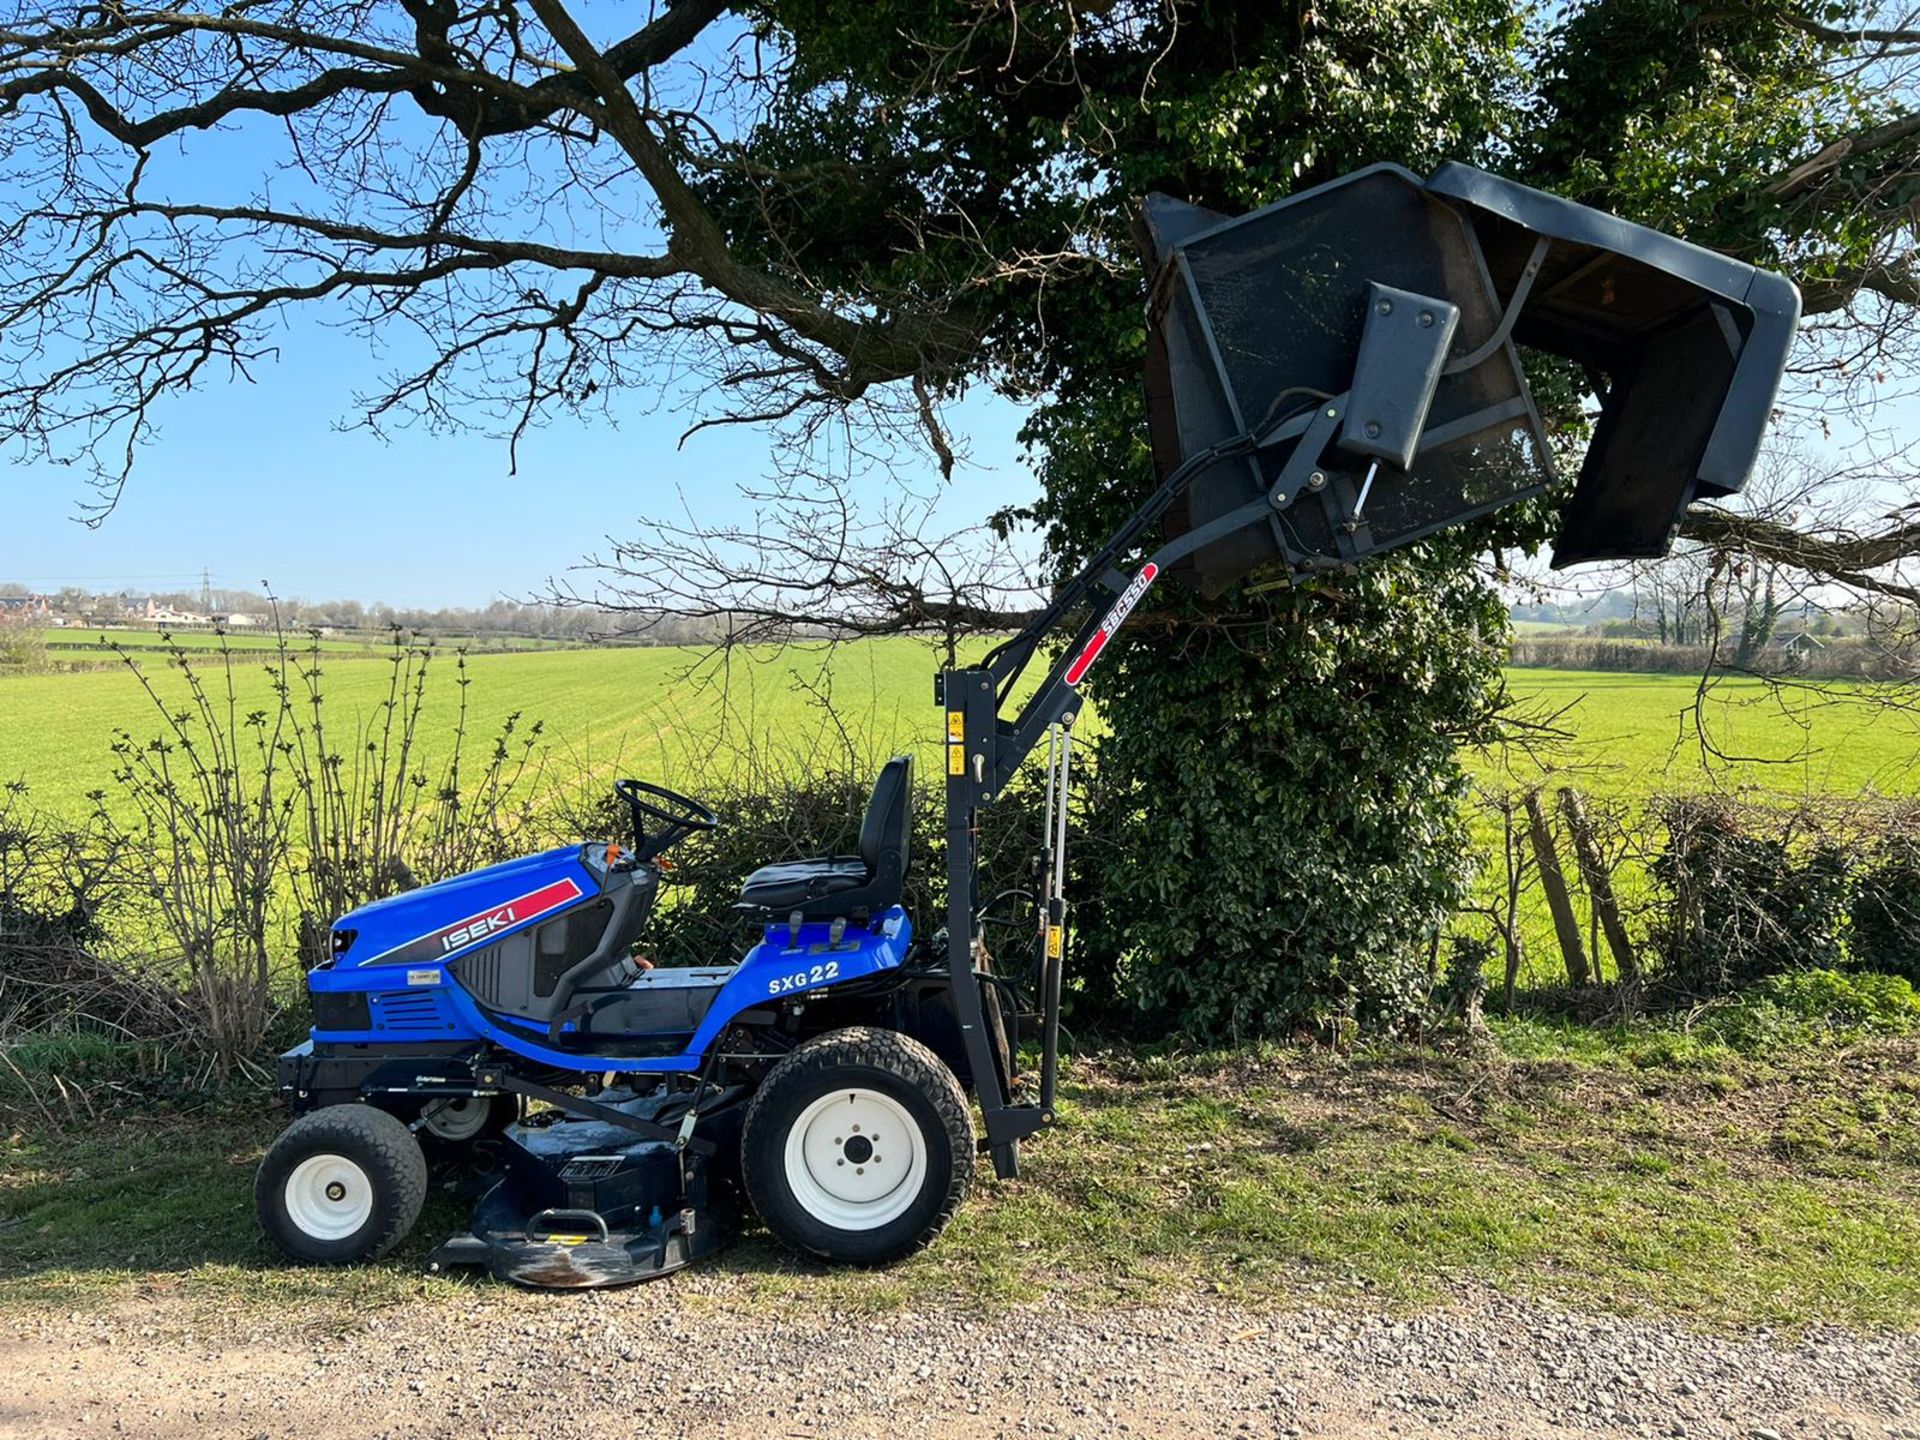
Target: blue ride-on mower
x=1335, y=375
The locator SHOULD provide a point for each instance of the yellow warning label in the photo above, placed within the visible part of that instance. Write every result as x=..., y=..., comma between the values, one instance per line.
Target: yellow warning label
x=956, y=759
x=1054, y=934
x=956, y=725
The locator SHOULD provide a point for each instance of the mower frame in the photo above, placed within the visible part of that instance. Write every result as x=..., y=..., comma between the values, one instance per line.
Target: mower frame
x=1255, y=492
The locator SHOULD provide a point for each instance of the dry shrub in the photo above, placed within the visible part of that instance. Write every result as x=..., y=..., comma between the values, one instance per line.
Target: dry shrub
x=247, y=831
x=61, y=889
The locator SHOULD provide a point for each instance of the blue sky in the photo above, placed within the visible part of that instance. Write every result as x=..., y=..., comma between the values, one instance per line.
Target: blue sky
x=258, y=482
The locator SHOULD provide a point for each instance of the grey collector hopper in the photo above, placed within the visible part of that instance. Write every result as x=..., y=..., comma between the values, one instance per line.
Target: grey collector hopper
x=1351, y=357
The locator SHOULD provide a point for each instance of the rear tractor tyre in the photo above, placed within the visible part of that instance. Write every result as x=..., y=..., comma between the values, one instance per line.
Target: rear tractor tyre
x=341, y=1184
x=858, y=1147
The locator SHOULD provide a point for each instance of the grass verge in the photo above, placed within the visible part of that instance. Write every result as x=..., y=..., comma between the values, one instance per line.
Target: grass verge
x=1729, y=1190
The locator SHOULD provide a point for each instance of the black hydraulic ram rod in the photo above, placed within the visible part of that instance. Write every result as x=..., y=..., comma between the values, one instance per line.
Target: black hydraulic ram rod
x=1054, y=927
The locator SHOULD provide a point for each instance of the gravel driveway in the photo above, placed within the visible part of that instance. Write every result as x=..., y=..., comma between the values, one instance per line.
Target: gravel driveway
x=686, y=1359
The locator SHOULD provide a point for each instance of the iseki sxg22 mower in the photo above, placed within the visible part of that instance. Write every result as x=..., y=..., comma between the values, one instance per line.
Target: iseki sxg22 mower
x=1329, y=377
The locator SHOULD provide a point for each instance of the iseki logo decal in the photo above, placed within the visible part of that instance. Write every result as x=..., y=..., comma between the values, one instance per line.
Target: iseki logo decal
x=475, y=928
x=478, y=929
x=1122, y=608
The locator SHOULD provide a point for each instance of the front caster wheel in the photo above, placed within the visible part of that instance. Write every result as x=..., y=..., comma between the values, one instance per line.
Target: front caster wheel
x=858, y=1147
x=467, y=1118
x=449, y=1125
x=341, y=1184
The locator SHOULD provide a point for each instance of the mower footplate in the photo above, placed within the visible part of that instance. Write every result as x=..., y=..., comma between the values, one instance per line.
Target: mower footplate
x=574, y=1250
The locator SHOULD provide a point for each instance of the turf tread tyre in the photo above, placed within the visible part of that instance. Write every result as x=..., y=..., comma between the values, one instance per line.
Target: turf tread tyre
x=381, y=1145
x=871, y=1058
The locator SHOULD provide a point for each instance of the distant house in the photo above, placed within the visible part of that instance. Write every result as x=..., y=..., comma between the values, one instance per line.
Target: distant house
x=155, y=613
x=1802, y=643
x=240, y=620
x=36, y=607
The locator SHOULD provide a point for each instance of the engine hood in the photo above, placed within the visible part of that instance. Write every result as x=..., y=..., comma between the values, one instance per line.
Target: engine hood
x=441, y=921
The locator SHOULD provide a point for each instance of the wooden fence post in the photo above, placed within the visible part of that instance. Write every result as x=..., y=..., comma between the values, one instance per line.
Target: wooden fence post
x=1599, y=882
x=1565, y=925
x=1509, y=918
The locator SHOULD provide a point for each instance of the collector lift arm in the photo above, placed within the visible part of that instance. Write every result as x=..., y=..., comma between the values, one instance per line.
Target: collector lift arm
x=984, y=748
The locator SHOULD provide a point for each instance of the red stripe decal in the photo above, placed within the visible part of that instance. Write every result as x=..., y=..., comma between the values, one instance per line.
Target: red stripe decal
x=1122, y=607
x=514, y=912
x=1085, y=660
x=482, y=924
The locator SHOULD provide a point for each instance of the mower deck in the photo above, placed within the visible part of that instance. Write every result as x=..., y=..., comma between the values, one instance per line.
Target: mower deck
x=585, y=1203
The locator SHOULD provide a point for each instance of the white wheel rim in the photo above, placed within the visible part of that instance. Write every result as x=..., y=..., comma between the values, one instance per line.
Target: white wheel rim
x=856, y=1159
x=458, y=1119
x=329, y=1197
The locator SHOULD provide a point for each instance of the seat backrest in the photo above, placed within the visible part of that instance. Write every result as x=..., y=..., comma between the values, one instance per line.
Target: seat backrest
x=885, y=831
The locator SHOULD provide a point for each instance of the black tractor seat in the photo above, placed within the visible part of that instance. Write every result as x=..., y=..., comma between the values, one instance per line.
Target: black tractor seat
x=831, y=886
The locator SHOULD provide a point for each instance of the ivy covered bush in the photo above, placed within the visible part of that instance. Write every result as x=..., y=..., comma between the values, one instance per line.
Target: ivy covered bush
x=1290, y=872
x=1747, y=902
x=1885, y=934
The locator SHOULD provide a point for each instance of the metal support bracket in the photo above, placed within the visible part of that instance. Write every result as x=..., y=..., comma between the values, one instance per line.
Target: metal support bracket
x=495, y=1078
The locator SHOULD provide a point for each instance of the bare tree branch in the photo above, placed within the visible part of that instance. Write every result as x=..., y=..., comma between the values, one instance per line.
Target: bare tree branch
x=1833, y=35
x=1851, y=559
x=813, y=566
x=1806, y=174
x=1896, y=281
x=549, y=162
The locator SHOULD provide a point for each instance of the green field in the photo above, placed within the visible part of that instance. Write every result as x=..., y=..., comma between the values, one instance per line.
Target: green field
x=673, y=715
x=1648, y=734
x=649, y=709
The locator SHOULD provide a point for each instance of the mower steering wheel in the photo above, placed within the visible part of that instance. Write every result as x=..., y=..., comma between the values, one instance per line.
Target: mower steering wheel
x=686, y=817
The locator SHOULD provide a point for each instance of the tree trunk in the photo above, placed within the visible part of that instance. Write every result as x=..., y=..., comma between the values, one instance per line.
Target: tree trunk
x=1565, y=924
x=1599, y=882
